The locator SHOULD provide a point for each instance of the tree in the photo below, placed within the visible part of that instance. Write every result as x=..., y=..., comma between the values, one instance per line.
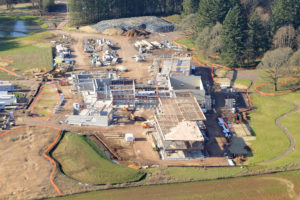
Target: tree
x=275, y=63
x=210, y=12
x=257, y=42
x=190, y=6
x=249, y=5
x=203, y=39
x=9, y=3
x=234, y=37
x=209, y=39
x=91, y=11
x=294, y=63
x=188, y=24
x=285, y=12
x=285, y=37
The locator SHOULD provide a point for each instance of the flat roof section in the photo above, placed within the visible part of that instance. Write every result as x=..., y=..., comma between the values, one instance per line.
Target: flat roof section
x=185, y=131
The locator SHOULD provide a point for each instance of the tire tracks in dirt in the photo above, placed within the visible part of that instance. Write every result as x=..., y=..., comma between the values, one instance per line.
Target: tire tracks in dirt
x=45, y=153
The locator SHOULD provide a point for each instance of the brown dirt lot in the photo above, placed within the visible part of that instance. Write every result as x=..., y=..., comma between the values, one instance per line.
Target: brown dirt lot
x=24, y=171
x=137, y=70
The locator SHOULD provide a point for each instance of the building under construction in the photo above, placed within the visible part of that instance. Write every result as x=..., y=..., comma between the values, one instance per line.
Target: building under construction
x=121, y=91
x=179, y=134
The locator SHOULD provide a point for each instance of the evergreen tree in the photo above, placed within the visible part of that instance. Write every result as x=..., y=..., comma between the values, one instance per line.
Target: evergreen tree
x=234, y=37
x=91, y=11
x=258, y=41
x=190, y=6
x=210, y=12
x=285, y=12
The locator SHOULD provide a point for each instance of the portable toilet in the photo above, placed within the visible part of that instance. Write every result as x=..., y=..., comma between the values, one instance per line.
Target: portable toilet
x=129, y=137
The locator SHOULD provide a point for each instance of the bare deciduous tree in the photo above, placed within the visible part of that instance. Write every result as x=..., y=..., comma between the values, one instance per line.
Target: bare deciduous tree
x=294, y=63
x=202, y=41
x=188, y=24
x=294, y=60
x=210, y=39
x=285, y=37
x=275, y=63
x=263, y=14
x=249, y=5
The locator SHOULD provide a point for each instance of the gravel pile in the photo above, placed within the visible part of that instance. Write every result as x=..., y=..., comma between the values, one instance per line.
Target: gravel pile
x=150, y=23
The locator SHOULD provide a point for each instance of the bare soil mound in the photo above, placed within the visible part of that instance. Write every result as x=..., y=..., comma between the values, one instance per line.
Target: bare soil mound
x=113, y=31
x=136, y=33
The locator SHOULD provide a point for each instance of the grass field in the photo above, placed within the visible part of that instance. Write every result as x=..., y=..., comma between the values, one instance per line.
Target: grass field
x=175, y=19
x=270, y=140
x=275, y=186
x=246, y=83
x=47, y=100
x=188, y=42
x=82, y=160
x=292, y=122
x=196, y=173
x=25, y=55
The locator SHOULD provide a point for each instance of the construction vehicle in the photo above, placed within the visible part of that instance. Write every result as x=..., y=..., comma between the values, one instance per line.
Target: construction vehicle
x=148, y=124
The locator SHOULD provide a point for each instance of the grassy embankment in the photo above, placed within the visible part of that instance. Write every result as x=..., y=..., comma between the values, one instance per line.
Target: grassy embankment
x=82, y=160
x=46, y=102
x=25, y=55
x=275, y=186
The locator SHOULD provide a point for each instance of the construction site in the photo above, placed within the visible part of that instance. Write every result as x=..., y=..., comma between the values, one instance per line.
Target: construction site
x=142, y=99
x=177, y=117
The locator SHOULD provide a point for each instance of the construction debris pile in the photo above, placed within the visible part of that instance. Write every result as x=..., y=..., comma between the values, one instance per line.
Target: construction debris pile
x=103, y=52
x=145, y=47
x=149, y=23
x=136, y=33
x=63, y=62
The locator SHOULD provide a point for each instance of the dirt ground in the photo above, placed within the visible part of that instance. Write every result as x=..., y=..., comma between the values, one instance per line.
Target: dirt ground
x=244, y=74
x=136, y=70
x=24, y=171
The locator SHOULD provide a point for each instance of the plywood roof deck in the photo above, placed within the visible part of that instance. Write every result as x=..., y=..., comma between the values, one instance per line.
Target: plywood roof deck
x=177, y=118
x=185, y=108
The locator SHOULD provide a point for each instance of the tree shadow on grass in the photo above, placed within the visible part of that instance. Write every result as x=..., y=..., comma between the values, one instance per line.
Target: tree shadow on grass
x=7, y=44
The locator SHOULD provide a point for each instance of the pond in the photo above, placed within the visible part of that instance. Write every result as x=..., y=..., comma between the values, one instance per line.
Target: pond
x=17, y=28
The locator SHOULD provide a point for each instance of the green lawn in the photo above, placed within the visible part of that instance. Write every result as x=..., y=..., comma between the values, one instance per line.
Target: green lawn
x=188, y=42
x=82, y=160
x=25, y=54
x=267, y=187
x=28, y=57
x=244, y=82
x=21, y=55
x=174, y=19
x=292, y=122
x=270, y=140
